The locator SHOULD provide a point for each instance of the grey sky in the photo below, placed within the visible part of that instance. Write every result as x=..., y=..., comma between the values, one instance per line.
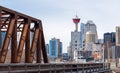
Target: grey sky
x=56, y=15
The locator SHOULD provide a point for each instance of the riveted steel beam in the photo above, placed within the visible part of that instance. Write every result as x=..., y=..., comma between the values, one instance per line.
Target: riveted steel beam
x=14, y=44
x=39, y=48
x=34, y=44
x=27, y=45
x=7, y=39
x=44, y=52
x=0, y=30
x=22, y=41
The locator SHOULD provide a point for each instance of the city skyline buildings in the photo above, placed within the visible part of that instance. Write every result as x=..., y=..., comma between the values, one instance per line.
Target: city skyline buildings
x=56, y=18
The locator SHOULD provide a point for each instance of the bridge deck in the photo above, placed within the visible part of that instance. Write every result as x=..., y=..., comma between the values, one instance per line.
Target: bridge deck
x=55, y=68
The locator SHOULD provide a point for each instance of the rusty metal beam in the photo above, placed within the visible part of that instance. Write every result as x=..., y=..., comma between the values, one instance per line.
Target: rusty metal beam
x=7, y=39
x=0, y=30
x=44, y=52
x=27, y=45
x=34, y=44
x=22, y=41
x=39, y=48
x=14, y=44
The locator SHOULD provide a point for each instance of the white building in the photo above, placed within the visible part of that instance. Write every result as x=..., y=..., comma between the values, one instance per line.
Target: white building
x=75, y=41
x=75, y=38
x=89, y=40
x=89, y=26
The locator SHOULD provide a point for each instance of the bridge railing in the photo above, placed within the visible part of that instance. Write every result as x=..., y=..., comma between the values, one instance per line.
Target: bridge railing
x=62, y=67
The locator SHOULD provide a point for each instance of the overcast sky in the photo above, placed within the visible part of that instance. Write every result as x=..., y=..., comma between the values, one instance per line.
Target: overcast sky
x=56, y=15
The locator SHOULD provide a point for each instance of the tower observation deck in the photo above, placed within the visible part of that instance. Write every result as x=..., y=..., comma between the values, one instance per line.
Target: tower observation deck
x=76, y=21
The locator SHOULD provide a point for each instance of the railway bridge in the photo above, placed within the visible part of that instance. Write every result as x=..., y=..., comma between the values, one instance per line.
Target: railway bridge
x=31, y=39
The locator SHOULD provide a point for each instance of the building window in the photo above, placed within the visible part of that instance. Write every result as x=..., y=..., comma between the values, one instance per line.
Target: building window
x=75, y=41
x=75, y=44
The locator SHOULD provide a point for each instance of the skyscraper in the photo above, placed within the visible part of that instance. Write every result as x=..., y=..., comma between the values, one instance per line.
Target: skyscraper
x=89, y=40
x=82, y=35
x=117, y=41
x=55, y=48
x=75, y=37
x=118, y=36
x=47, y=48
x=109, y=45
x=109, y=37
x=88, y=27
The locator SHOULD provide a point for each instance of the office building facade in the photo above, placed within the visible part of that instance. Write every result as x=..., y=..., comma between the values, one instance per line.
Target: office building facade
x=55, y=48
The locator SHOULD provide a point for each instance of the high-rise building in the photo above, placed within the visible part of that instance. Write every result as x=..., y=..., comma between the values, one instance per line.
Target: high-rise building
x=117, y=41
x=109, y=37
x=75, y=42
x=109, y=44
x=118, y=36
x=47, y=48
x=55, y=48
x=75, y=38
x=59, y=49
x=90, y=26
x=82, y=35
x=90, y=40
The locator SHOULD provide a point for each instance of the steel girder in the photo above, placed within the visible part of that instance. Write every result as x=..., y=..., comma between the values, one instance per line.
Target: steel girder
x=13, y=22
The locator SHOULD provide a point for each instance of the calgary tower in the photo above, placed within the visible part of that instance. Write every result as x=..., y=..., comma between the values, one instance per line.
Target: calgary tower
x=76, y=21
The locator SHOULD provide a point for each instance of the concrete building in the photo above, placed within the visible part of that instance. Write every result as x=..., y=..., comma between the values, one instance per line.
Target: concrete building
x=75, y=38
x=90, y=26
x=90, y=40
x=118, y=36
x=75, y=41
x=98, y=52
x=117, y=42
